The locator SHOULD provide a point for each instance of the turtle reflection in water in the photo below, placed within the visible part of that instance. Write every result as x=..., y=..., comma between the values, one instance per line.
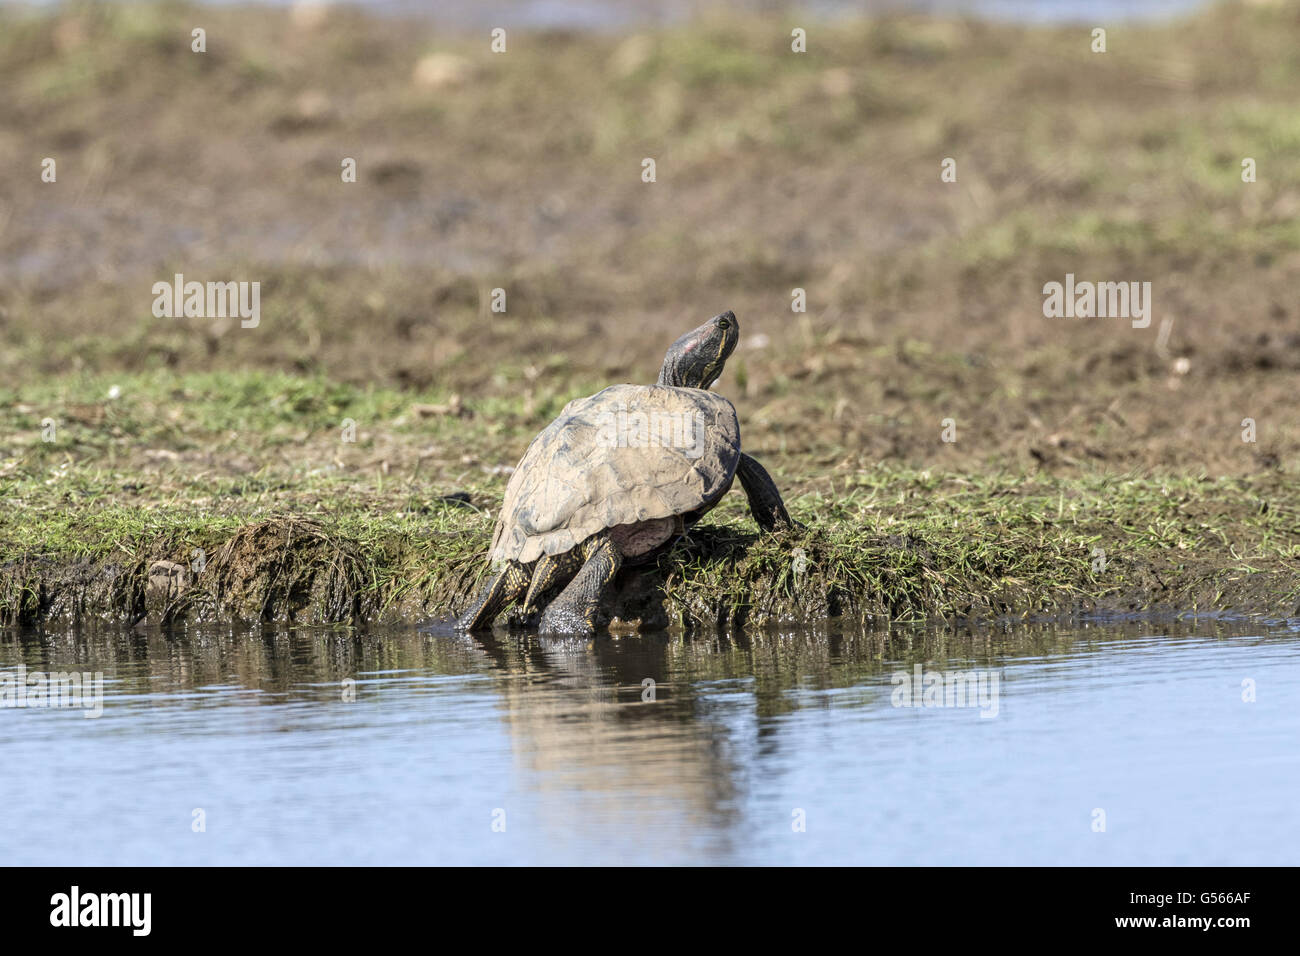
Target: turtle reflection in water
x=617, y=477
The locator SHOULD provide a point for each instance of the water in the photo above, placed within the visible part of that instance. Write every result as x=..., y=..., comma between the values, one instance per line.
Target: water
x=446, y=734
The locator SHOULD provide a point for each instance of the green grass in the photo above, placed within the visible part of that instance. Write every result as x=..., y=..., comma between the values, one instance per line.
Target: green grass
x=93, y=512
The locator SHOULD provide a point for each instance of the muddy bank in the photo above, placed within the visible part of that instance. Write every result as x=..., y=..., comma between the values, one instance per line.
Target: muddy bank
x=301, y=571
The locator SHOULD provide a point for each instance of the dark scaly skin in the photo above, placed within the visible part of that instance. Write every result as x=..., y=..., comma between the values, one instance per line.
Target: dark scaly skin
x=765, y=502
x=506, y=586
x=574, y=611
x=549, y=570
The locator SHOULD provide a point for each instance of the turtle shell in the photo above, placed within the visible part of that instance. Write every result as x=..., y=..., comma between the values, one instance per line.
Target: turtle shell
x=629, y=453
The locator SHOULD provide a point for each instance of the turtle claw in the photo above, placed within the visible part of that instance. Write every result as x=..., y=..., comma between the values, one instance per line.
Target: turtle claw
x=560, y=622
x=520, y=619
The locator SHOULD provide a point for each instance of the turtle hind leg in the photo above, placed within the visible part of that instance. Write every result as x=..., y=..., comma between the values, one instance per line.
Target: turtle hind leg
x=505, y=586
x=574, y=611
x=549, y=571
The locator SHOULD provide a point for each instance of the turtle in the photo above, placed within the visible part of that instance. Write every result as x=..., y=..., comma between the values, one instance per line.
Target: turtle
x=616, y=478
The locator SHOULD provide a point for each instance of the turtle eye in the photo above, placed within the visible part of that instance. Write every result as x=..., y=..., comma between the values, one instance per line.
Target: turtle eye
x=724, y=323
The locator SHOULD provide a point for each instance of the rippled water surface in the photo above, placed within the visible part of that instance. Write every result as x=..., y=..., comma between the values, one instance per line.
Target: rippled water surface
x=449, y=737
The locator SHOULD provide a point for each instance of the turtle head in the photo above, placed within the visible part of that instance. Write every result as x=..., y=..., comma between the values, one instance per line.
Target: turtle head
x=695, y=360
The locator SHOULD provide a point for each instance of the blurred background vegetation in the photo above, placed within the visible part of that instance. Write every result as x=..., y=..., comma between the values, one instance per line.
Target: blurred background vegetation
x=522, y=171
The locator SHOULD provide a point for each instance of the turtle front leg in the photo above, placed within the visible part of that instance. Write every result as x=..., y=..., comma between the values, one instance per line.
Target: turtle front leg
x=574, y=611
x=506, y=586
x=765, y=502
